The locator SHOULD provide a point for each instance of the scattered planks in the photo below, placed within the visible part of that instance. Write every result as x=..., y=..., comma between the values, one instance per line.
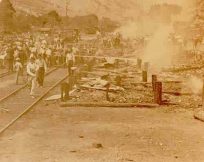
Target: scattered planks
x=121, y=72
x=102, y=88
x=102, y=73
x=172, y=81
x=148, y=83
x=181, y=69
x=140, y=83
x=112, y=105
x=58, y=96
x=177, y=93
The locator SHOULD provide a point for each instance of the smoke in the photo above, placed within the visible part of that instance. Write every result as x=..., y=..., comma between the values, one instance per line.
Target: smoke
x=135, y=29
x=187, y=6
x=129, y=30
x=158, y=51
x=195, y=84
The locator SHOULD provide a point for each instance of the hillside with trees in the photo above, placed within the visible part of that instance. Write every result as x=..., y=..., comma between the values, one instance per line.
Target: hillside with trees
x=7, y=12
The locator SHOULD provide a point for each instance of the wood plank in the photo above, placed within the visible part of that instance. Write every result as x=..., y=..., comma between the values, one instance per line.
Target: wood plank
x=113, y=105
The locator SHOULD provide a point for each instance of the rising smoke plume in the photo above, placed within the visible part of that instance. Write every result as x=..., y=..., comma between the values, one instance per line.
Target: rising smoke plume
x=194, y=84
x=157, y=51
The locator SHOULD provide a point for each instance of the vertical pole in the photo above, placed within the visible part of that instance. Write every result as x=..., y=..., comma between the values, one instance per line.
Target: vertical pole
x=67, y=92
x=117, y=63
x=146, y=66
x=144, y=76
x=62, y=92
x=67, y=4
x=158, y=93
x=203, y=94
x=139, y=63
x=154, y=80
x=118, y=80
x=107, y=92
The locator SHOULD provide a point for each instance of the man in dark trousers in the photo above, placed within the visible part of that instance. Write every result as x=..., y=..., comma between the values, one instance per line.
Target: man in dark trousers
x=10, y=58
x=70, y=59
x=65, y=88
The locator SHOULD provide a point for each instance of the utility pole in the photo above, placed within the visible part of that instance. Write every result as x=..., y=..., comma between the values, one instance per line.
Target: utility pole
x=67, y=7
x=54, y=4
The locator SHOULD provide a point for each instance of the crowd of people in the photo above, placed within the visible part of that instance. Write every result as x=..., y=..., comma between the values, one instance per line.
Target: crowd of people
x=38, y=52
x=35, y=54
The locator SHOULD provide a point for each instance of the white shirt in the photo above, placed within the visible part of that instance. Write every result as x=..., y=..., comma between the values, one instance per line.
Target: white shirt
x=42, y=51
x=33, y=50
x=41, y=63
x=75, y=50
x=48, y=52
x=31, y=69
x=18, y=66
x=70, y=57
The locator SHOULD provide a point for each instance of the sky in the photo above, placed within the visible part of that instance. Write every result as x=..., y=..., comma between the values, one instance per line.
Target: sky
x=117, y=8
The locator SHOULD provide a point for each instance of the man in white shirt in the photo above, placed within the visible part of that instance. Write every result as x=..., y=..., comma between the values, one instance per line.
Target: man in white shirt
x=41, y=69
x=19, y=69
x=48, y=56
x=31, y=71
x=70, y=59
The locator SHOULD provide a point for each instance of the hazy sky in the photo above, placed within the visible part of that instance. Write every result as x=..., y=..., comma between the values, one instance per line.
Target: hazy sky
x=107, y=8
x=183, y=3
x=83, y=5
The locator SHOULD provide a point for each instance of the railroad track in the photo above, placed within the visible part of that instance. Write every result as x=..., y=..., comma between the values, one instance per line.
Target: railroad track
x=17, y=104
x=5, y=74
x=21, y=87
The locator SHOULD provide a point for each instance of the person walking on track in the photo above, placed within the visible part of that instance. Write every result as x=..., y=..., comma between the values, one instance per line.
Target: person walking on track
x=19, y=69
x=31, y=71
x=10, y=58
x=41, y=69
x=70, y=59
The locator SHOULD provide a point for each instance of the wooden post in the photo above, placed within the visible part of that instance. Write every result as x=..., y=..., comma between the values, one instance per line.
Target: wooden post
x=154, y=80
x=203, y=94
x=158, y=93
x=118, y=80
x=144, y=76
x=71, y=81
x=139, y=63
x=65, y=91
x=107, y=91
x=146, y=66
x=117, y=63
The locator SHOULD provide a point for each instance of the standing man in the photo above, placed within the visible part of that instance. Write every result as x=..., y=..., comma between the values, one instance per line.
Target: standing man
x=10, y=58
x=31, y=71
x=70, y=59
x=48, y=54
x=41, y=69
x=19, y=69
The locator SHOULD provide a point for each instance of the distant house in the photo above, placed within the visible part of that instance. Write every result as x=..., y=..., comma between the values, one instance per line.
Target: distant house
x=45, y=30
x=42, y=30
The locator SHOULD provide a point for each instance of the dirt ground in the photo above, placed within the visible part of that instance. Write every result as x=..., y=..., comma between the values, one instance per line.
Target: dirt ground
x=53, y=134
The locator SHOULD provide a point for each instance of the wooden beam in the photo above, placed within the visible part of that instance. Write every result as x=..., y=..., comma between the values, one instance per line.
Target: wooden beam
x=112, y=105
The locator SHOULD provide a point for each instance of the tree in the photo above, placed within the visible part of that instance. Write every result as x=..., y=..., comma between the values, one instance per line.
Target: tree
x=6, y=15
x=199, y=15
x=108, y=25
x=52, y=18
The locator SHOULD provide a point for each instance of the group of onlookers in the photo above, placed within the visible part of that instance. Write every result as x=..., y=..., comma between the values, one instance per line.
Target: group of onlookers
x=38, y=53
x=35, y=55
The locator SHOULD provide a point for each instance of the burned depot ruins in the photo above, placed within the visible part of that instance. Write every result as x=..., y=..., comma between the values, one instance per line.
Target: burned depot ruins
x=101, y=80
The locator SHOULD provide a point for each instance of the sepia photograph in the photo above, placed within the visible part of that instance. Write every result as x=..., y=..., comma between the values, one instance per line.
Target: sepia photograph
x=101, y=81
